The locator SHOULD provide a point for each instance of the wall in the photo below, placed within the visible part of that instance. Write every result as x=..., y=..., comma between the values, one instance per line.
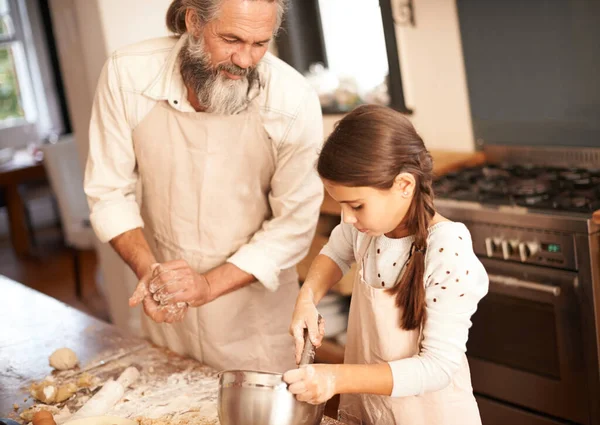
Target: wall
x=434, y=78
x=433, y=75
x=87, y=31
x=129, y=21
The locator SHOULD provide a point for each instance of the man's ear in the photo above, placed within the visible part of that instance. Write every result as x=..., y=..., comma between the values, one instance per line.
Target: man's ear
x=192, y=22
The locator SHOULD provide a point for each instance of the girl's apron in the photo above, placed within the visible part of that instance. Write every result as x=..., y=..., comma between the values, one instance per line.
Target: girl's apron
x=375, y=337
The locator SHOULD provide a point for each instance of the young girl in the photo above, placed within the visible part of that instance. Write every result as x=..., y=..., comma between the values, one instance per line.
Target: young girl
x=417, y=286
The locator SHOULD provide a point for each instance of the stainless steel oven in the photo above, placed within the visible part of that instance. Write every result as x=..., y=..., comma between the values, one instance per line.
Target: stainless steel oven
x=526, y=337
x=533, y=348
x=534, y=102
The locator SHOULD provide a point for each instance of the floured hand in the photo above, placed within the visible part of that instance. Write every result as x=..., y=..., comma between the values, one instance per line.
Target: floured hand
x=167, y=313
x=314, y=384
x=175, y=282
x=306, y=316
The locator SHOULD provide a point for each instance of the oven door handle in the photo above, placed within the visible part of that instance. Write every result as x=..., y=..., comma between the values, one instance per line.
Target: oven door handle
x=524, y=284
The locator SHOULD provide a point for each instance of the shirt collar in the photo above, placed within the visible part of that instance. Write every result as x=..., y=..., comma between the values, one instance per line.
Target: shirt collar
x=168, y=84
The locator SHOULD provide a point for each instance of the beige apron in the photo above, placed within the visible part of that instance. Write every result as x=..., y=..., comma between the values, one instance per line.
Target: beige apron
x=205, y=184
x=374, y=337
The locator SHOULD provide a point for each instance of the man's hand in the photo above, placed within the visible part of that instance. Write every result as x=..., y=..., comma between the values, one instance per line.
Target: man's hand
x=159, y=313
x=176, y=282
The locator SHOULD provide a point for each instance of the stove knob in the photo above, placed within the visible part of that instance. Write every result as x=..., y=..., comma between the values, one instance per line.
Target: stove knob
x=527, y=249
x=507, y=249
x=490, y=247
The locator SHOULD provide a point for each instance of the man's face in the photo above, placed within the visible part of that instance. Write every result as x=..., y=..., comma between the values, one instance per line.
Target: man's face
x=220, y=58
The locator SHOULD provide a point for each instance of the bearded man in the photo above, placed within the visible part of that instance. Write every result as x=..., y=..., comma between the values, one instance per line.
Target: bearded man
x=201, y=175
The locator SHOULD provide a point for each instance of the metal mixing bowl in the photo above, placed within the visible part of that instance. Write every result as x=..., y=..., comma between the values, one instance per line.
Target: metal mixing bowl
x=261, y=398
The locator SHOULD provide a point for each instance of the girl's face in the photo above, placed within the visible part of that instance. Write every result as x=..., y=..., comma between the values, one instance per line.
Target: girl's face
x=375, y=211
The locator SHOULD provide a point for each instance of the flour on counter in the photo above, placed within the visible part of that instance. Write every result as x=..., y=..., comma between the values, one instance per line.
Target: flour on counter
x=175, y=399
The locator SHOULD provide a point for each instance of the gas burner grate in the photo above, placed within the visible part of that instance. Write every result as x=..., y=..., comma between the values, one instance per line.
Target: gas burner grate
x=545, y=188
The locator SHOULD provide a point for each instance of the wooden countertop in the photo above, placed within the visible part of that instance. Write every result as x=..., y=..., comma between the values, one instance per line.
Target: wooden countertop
x=443, y=162
x=33, y=325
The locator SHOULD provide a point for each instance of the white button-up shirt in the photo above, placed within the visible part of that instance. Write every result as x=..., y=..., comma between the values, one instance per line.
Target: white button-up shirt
x=135, y=79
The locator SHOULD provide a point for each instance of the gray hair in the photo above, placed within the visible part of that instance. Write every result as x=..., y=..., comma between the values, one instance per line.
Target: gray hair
x=207, y=10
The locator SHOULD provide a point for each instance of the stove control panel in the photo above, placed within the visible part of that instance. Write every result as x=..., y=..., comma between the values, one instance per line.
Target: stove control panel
x=552, y=249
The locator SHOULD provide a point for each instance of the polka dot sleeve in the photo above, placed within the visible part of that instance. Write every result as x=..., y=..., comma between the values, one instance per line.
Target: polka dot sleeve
x=455, y=281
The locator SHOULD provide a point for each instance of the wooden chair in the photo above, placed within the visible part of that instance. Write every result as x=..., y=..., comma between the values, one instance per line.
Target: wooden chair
x=66, y=179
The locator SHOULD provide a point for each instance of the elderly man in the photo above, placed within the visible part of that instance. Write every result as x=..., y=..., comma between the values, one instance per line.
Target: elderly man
x=218, y=138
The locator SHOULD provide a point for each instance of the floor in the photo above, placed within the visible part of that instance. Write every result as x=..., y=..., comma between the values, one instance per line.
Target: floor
x=50, y=271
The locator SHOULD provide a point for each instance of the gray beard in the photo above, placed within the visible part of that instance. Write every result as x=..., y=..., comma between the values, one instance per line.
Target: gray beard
x=217, y=93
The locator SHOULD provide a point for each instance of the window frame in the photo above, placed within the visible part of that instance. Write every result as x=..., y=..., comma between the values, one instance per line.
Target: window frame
x=301, y=42
x=36, y=75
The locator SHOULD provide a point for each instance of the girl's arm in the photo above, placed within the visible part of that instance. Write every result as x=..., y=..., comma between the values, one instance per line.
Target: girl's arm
x=325, y=271
x=318, y=383
x=364, y=379
x=322, y=275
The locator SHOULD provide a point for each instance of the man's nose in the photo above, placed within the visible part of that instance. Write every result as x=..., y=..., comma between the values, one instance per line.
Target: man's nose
x=243, y=57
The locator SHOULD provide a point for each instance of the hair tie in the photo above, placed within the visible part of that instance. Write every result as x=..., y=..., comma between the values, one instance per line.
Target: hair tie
x=414, y=249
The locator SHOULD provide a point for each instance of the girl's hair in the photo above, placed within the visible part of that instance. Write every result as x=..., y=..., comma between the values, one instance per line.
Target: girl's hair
x=369, y=147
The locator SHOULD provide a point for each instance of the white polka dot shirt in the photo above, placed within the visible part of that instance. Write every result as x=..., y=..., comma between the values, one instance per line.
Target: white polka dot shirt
x=455, y=281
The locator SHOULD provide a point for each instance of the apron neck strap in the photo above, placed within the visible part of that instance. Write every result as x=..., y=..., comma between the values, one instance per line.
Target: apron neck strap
x=364, y=246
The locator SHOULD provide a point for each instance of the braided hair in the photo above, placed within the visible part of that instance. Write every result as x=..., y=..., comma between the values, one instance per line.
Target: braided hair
x=369, y=147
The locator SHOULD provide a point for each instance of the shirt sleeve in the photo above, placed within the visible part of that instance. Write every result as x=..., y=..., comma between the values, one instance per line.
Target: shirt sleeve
x=455, y=282
x=340, y=247
x=295, y=198
x=111, y=174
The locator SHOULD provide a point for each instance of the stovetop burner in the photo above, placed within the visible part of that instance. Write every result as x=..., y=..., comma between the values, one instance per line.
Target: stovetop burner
x=545, y=188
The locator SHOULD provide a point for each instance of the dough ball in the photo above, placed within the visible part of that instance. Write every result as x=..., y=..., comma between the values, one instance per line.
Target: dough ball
x=63, y=359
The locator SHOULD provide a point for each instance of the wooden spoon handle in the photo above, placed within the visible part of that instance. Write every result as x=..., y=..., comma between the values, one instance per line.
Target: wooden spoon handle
x=308, y=353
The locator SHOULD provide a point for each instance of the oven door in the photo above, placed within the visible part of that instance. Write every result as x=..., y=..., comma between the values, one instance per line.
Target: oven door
x=525, y=346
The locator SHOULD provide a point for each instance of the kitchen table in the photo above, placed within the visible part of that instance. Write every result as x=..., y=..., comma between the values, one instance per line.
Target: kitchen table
x=171, y=389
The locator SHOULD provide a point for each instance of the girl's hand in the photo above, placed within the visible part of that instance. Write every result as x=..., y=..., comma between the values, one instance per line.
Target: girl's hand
x=306, y=316
x=314, y=384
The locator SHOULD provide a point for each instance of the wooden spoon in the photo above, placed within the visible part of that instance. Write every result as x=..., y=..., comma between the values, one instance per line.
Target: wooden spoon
x=308, y=353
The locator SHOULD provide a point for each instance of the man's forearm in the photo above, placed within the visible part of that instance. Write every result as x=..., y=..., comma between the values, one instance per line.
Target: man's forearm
x=134, y=250
x=227, y=278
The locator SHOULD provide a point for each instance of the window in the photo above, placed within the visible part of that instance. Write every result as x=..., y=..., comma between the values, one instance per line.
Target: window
x=14, y=78
x=29, y=104
x=347, y=49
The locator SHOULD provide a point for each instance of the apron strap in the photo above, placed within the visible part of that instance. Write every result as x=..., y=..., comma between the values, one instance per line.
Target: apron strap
x=364, y=246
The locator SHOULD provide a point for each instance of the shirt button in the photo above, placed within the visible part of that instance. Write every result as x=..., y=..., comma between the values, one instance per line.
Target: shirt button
x=175, y=102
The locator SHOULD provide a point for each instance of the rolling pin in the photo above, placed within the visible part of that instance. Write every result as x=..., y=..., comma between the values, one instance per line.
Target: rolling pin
x=110, y=393
x=43, y=417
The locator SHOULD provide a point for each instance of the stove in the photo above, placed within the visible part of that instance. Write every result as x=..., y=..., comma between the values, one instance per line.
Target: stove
x=540, y=188
x=534, y=104
x=535, y=342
